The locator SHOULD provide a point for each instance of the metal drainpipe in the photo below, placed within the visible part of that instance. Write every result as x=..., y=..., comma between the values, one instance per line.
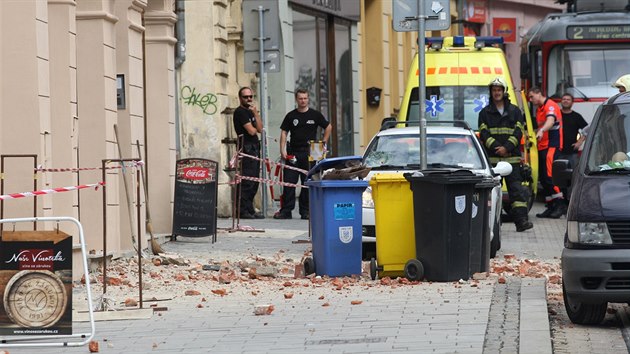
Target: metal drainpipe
x=180, y=33
x=180, y=58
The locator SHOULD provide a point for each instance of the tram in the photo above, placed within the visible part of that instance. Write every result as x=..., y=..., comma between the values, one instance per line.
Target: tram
x=581, y=51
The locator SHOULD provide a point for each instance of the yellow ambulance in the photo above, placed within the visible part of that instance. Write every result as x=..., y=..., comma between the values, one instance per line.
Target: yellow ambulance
x=458, y=71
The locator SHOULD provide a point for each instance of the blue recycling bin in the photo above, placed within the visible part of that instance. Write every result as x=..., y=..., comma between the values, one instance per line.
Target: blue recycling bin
x=336, y=221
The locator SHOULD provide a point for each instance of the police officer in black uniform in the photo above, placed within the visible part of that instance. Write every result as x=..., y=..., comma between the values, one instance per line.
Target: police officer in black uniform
x=500, y=130
x=247, y=124
x=301, y=124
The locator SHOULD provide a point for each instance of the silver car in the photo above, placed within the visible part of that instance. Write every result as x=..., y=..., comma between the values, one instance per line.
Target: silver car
x=397, y=150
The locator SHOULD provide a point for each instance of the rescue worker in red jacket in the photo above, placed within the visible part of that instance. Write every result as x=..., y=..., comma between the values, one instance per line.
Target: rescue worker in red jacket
x=550, y=141
x=500, y=131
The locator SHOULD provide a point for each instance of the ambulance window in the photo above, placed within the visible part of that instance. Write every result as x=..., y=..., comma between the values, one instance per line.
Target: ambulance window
x=450, y=103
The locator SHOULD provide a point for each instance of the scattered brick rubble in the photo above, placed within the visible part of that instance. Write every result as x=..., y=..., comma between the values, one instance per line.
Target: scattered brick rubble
x=177, y=277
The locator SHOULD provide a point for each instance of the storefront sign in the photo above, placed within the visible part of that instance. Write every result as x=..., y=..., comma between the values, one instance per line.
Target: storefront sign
x=341, y=8
x=35, y=283
x=476, y=11
x=504, y=27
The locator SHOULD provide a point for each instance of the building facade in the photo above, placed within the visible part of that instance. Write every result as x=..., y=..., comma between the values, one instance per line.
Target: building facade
x=71, y=72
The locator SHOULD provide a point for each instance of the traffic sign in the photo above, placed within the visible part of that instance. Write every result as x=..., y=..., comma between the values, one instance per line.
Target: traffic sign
x=271, y=25
x=437, y=15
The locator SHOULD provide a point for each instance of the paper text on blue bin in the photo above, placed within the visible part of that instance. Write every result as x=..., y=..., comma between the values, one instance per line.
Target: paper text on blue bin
x=344, y=211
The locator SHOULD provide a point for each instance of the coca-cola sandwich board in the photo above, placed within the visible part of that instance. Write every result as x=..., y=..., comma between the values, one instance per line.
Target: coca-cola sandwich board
x=195, y=201
x=35, y=283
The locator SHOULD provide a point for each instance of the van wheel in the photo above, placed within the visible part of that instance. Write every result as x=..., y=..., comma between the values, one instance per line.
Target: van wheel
x=581, y=313
x=495, y=244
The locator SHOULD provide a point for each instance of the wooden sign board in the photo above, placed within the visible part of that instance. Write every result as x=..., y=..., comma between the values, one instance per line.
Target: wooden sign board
x=35, y=283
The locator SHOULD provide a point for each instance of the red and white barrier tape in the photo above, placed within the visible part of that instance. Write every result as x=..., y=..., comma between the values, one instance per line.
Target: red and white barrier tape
x=273, y=163
x=268, y=181
x=127, y=164
x=50, y=191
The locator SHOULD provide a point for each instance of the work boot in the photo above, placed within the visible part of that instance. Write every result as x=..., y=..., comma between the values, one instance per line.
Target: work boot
x=547, y=212
x=523, y=224
x=559, y=209
x=281, y=215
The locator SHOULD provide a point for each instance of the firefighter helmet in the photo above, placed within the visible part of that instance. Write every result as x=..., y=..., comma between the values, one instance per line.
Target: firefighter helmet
x=499, y=81
x=623, y=81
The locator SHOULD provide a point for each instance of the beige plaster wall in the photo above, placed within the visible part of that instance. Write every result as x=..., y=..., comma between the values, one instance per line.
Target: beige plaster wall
x=58, y=95
x=160, y=111
x=208, y=83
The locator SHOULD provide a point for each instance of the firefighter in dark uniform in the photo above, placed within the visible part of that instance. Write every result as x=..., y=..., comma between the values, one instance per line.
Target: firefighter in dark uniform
x=500, y=130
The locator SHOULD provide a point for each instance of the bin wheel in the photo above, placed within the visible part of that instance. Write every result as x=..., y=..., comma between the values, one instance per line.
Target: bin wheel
x=414, y=270
x=373, y=268
x=309, y=266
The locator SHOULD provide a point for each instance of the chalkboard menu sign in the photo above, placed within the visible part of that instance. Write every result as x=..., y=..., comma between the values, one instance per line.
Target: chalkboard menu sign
x=195, y=202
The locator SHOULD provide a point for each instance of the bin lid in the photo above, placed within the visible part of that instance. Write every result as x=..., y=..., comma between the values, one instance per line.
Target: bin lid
x=444, y=176
x=337, y=183
x=387, y=178
x=333, y=162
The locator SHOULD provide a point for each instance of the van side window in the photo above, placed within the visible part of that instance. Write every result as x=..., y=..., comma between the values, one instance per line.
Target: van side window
x=611, y=140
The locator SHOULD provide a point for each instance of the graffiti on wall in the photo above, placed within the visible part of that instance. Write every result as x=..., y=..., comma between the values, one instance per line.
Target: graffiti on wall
x=206, y=102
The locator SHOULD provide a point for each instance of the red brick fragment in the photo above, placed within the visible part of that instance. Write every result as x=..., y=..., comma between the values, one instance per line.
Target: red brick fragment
x=93, y=346
x=221, y=292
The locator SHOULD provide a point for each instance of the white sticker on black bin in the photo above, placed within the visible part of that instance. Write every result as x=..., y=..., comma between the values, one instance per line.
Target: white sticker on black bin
x=474, y=210
x=345, y=234
x=460, y=203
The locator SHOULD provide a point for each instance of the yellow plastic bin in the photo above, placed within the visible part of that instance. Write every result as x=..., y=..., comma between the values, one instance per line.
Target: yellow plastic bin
x=394, y=223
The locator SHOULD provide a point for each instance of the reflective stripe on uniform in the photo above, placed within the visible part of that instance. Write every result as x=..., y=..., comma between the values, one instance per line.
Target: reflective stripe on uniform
x=501, y=131
x=513, y=140
x=519, y=205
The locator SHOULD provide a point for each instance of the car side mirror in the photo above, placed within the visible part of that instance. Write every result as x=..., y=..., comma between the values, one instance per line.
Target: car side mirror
x=502, y=169
x=561, y=173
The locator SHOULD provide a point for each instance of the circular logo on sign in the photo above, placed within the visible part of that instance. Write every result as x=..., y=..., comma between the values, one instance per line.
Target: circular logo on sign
x=35, y=299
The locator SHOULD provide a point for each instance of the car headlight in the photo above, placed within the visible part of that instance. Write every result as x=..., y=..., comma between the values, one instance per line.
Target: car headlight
x=368, y=202
x=594, y=233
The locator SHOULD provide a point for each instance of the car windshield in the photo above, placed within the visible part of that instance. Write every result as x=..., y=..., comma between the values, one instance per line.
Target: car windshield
x=451, y=103
x=403, y=152
x=610, y=146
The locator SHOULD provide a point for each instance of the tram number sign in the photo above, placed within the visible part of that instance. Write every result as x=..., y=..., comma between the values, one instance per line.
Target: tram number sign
x=599, y=32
